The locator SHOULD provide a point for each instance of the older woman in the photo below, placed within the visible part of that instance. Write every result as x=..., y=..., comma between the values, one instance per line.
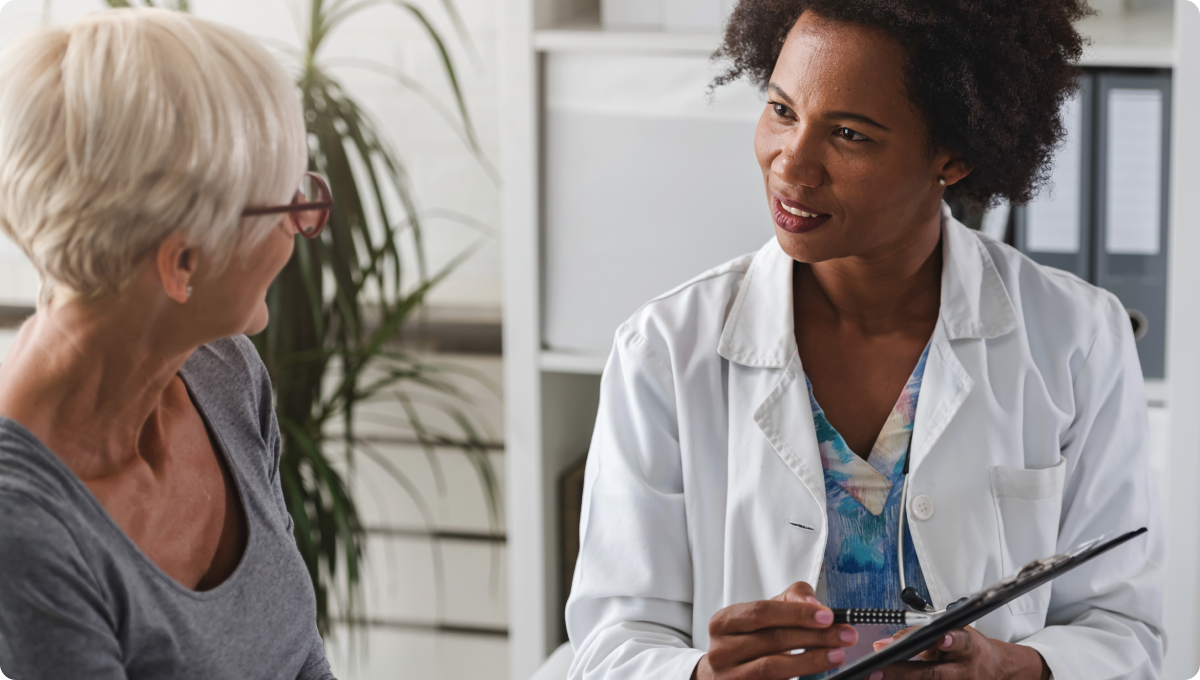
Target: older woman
x=150, y=170
x=759, y=425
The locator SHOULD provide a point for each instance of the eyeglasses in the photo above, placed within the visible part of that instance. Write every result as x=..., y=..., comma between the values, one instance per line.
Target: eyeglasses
x=309, y=209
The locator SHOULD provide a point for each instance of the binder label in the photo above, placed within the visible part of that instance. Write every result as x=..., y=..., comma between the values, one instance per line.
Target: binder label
x=1134, y=171
x=1054, y=216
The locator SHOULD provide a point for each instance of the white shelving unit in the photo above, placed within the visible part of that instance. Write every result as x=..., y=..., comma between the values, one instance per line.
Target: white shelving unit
x=551, y=392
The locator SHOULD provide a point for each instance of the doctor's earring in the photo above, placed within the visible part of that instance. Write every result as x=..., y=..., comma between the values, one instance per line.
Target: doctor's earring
x=189, y=292
x=942, y=181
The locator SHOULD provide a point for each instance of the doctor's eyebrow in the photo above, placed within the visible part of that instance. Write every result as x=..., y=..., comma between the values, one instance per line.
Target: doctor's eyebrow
x=832, y=115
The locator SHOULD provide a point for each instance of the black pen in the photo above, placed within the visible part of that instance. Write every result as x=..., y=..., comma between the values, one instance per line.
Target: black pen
x=890, y=617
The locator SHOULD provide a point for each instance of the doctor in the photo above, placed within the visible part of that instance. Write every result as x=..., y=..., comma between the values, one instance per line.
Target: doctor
x=758, y=424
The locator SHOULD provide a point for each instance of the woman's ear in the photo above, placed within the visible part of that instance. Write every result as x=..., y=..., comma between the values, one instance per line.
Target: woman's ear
x=176, y=264
x=952, y=169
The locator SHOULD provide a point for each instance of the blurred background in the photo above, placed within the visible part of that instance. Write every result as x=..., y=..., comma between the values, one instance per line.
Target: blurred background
x=565, y=165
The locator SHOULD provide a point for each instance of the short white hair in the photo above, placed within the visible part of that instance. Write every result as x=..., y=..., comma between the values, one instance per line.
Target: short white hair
x=135, y=123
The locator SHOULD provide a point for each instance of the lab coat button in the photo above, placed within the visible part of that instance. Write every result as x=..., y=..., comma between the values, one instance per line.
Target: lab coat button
x=922, y=507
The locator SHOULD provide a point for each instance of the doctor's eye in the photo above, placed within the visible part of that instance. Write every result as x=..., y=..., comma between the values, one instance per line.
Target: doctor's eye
x=780, y=110
x=850, y=135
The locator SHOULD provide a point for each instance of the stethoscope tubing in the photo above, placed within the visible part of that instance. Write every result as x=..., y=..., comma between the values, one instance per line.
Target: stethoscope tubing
x=900, y=548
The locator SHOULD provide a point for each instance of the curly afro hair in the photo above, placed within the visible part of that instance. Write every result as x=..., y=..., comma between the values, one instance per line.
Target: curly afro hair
x=990, y=76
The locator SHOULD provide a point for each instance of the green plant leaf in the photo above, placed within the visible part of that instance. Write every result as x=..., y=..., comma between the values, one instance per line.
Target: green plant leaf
x=447, y=68
x=465, y=133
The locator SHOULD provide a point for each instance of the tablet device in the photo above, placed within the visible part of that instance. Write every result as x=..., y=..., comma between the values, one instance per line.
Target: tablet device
x=971, y=609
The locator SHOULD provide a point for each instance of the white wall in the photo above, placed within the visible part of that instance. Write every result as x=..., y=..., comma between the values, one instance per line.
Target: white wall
x=445, y=174
x=1183, y=360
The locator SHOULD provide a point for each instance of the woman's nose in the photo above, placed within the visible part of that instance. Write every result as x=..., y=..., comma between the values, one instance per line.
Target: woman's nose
x=799, y=162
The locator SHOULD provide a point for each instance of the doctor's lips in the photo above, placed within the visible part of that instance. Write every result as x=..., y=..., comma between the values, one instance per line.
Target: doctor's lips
x=796, y=217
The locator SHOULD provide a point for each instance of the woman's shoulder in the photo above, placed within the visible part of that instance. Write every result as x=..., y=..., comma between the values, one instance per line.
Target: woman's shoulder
x=231, y=385
x=229, y=366
x=234, y=355
x=29, y=472
x=40, y=503
x=695, y=310
x=1046, y=297
x=31, y=516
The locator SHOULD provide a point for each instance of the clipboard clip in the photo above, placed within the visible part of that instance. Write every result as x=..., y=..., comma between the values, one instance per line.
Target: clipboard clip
x=1050, y=563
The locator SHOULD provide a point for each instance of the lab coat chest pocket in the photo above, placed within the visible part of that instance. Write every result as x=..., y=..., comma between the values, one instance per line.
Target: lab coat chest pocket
x=1028, y=506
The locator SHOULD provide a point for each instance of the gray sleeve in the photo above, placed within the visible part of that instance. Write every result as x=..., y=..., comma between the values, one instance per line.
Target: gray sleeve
x=316, y=667
x=54, y=622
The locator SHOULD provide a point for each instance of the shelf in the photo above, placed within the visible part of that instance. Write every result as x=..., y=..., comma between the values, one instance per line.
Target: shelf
x=1156, y=393
x=591, y=37
x=1129, y=41
x=572, y=362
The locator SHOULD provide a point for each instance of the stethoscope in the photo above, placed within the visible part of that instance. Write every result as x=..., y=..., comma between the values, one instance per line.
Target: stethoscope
x=908, y=594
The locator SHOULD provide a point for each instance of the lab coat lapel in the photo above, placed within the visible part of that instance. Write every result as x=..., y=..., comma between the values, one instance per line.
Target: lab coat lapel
x=944, y=388
x=759, y=333
x=796, y=501
x=974, y=306
x=785, y=511
x=786, y=420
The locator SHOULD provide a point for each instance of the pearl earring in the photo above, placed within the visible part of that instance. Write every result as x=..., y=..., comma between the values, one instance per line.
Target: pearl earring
x=189, y=292
x=942, y=181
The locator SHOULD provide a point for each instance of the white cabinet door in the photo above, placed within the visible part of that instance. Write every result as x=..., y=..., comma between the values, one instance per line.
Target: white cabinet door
x=646, y=184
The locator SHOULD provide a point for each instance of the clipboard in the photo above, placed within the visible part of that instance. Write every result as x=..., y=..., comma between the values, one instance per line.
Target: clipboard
x=971, y=609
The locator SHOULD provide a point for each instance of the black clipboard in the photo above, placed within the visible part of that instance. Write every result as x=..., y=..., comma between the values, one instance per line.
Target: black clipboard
x=986, y=601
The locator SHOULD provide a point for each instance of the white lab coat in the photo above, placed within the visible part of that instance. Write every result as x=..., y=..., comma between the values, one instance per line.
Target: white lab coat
x=1030, y=437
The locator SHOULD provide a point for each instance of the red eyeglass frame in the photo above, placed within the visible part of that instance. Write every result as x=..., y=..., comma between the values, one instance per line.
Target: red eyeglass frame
x=295, y=207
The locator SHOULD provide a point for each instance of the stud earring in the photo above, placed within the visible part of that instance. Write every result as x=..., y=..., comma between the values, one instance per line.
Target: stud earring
x=942, y=181
x=189, y=292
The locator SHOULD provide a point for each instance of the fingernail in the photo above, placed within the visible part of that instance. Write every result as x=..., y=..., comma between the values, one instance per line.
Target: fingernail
x=877, y=675
x=837, y=655
x=884, y=642
x=848, y=635
x=824, y=617
x=947, y=641
x=812, y=599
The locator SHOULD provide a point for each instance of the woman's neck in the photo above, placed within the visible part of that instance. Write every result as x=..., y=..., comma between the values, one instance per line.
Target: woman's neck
x=879, y=291
x=86, y=377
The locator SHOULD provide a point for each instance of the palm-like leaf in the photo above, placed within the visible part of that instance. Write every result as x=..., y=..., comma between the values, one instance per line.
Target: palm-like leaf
x=338, y=310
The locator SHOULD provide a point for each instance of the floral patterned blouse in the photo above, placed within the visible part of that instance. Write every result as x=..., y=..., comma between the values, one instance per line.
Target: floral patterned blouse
x=863, y=505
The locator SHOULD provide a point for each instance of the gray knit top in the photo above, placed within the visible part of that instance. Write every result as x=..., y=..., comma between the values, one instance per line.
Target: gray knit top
x=78, y=599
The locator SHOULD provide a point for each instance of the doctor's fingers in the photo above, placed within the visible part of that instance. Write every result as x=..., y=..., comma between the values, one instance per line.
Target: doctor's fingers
x=953, y=646
x=798, y=592
x=751, y=616
x=960, y=643
x=784, y=666
x=733, y=650
x=949, y=659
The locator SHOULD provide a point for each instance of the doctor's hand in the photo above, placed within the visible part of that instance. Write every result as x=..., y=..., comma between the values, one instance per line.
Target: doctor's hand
x=967, y=653
x=756, y=639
